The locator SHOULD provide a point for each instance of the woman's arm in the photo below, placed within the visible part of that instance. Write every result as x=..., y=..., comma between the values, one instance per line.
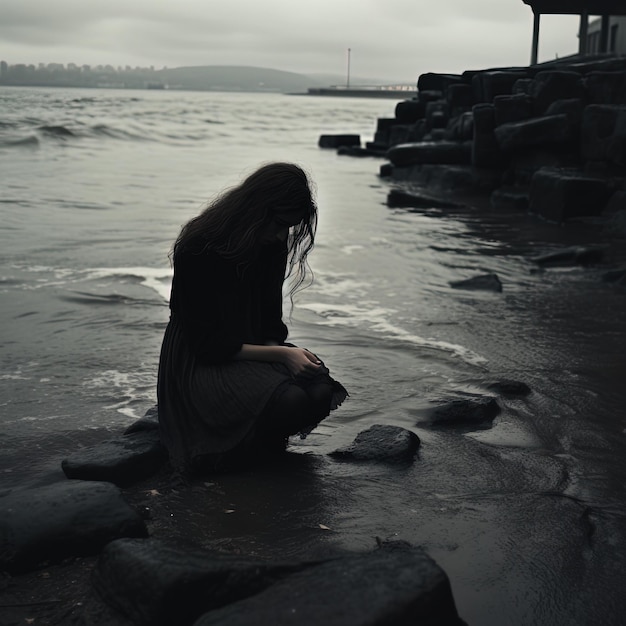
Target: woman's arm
x=299, y=361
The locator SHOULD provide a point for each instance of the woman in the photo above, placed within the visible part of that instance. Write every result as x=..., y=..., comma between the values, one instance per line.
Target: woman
x=230, y=388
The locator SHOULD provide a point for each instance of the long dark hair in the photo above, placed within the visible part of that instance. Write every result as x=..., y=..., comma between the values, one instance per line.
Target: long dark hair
x=230, y=225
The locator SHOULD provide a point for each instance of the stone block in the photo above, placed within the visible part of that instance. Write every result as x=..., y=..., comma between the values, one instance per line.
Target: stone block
x=439, y=152
x=431, y=81
x=336, y=141
x=487, y=85
x=552, y=130
x=573, y=108
x=558, y=195
x=61, y=520
x=486, y=152
x=409, y=111
x=122, y=461
x=552, y=85
x=603, y=134
x=460, y=98
x=393, y=585
x=381, y=442
x=513, y=108
x=606, y=87
x=461, y=127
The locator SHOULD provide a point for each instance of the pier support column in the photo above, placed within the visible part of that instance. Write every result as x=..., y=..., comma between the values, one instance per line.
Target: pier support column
x=582, y=33
x=535, y=51
x=604, y=34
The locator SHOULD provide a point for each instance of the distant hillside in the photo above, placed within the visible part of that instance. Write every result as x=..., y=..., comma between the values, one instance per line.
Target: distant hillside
x=235, y=78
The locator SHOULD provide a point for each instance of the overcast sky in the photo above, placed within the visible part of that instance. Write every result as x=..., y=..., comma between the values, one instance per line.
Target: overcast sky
x=395, y=40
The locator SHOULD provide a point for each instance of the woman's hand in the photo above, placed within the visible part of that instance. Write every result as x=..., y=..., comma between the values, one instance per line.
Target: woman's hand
x=300, y=362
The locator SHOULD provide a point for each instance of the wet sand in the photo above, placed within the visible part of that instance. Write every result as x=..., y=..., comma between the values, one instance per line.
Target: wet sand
x=527, y=518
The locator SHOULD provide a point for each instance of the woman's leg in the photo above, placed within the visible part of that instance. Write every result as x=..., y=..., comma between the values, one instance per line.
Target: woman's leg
x=296, y=408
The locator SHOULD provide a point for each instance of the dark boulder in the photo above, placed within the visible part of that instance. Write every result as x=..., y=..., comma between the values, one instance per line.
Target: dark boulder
x=465, y=412
x=123, y=460
x=432, y=81
x=400, y=198
x=150, y=421
x=483, y=282
x=562, y=194
x=61, y=520
x=154, y=584
x=336, y=141
x=485, y=149
x=401, y=586
x=487, y=85
x=539, y=131
x=409, y=111
x=510, y=198
x=460, y=98
x=551, y=85
x=606, y=87
x=573, y=255
x=604, y=134
x=380, y=442
x=439, y=152
x=514, y=108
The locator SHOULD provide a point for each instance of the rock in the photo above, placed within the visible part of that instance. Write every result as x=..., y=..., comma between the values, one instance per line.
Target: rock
x=400, y=133
x=515, y=108
x=574, y=255
x=507, y=198
x=400, y=198
x=460, y=98
x=572, y=108
x=606, y=87
x=561, y=194
x=154, y=584
x=357, y=151
x=466, y=412
x=487, y=85
x=551, y=85
x=509, y=387
x=123, y=461
x=409, y=111
x=150, y=421
x=548, y=130
x=443, y=152
x=603, y=134
x=336, y=141
x=484, y=282
x=389, y=586
x=61, y=520
x=617, y=276
x=431, y=81
x=461, y=128
x=381, y=443
x=485, y=149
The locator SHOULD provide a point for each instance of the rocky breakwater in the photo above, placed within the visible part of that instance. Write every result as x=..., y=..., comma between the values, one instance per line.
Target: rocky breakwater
x=549, y=138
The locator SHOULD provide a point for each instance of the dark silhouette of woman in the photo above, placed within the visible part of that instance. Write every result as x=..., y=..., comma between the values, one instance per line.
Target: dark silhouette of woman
x=230, y=389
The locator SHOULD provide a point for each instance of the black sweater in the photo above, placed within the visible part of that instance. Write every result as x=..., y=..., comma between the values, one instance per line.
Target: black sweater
x=220, y=305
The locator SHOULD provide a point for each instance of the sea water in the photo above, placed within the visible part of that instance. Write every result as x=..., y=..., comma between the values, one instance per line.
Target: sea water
x=94, y=188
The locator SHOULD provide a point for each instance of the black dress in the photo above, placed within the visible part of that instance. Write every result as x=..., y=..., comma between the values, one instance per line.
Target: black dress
x=209, y=403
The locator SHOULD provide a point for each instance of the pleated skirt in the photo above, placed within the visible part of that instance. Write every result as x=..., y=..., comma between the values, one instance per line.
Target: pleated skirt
x=208, y=410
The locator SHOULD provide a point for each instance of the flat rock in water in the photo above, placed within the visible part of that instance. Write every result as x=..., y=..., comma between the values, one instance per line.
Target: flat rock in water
x=483, y=282
x=465, y=412
x=381, y=442
x=574, y=255
x=123, y=461
x=337, y=141
x=400, y=198
x=388, y=586
x=61, y=520
x=153, y=584
x=150, y=421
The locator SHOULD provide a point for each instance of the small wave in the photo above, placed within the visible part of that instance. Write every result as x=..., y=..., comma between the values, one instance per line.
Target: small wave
x=117, y=133
x=32, y=141
x=56, y=131
x=376, y=319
